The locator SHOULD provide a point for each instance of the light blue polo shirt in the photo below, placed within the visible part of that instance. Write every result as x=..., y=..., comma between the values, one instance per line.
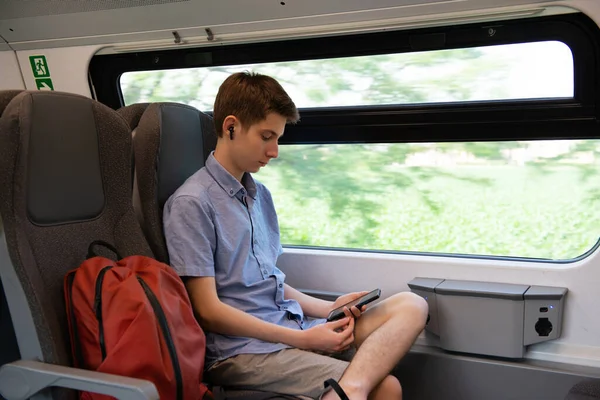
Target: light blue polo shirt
x=215, y=226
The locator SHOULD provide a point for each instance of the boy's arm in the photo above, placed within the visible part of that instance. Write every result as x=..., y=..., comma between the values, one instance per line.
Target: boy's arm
x=219, y=317
x=216, y=316
x=311, y=306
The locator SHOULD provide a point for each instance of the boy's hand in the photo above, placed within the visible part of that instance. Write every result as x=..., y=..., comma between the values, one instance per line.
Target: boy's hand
x=346, y=298
x=330, y=337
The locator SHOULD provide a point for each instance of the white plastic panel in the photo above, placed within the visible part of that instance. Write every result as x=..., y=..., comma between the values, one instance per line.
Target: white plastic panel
x=184, y=14
x=68, y=68
x=353, y=271
x=13, y=9
x=10, y=78
x=191, y=18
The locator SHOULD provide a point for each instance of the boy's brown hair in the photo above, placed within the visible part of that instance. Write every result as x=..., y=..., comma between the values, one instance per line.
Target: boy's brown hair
x=250, y=97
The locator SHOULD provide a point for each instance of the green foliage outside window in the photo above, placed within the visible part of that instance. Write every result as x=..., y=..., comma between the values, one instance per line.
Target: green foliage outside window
x=524, y=199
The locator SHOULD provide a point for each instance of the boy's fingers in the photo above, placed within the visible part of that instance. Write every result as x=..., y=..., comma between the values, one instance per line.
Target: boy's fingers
x=339, y=323
x=347, y=343
x=350, y=327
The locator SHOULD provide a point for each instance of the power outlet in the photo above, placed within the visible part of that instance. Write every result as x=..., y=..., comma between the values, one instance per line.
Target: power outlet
x=543, y=314
x=543, y=327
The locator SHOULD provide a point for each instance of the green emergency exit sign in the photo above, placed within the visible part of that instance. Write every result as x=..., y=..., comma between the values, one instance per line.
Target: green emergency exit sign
x=44, y=84
x=41, y=72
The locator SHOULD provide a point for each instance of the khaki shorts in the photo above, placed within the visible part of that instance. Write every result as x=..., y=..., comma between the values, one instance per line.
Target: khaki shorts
x=288, y=371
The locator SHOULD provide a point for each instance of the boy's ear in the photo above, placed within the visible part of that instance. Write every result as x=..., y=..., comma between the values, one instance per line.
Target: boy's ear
x=230, y=122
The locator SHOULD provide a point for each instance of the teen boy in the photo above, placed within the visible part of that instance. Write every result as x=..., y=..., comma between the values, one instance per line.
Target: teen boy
x=223, y=238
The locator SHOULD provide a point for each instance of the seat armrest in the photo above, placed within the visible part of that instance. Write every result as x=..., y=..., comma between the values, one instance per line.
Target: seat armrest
x=24, y=378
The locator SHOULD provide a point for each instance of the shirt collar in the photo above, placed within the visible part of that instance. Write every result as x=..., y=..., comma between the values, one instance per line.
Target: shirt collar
x=227, y=182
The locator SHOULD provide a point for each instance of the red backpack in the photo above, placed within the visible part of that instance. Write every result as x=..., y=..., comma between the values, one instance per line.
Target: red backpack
x=134, y=318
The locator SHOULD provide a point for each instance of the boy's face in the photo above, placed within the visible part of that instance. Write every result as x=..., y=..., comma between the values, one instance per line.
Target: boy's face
x=255, y=146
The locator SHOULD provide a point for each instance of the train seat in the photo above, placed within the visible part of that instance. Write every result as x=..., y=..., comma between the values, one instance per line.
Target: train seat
x=171, y=142
x=65, y=164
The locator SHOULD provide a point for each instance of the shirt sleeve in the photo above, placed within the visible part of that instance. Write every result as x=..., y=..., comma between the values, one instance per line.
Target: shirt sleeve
x=190, y=236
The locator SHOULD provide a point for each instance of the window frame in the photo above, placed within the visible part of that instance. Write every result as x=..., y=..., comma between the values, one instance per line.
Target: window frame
x=473, y=121
x=497, y=120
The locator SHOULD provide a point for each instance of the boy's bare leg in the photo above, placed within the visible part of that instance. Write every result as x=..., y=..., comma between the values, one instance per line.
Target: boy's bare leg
x=383, y=335
x=387, y=389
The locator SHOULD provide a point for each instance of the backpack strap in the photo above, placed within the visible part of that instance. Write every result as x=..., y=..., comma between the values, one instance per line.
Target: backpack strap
x=337, y=388
x=102, y=243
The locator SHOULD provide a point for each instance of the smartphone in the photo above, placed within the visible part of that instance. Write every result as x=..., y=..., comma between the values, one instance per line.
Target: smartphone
x=338, y=313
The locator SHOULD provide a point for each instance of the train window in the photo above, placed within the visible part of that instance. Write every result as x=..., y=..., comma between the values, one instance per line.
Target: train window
x=539, y=70
x=532, y=199
x=476, y=140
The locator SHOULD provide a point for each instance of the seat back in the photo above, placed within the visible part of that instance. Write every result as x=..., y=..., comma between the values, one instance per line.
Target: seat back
x=171, y=143
x=587, y=389
x=9, y=351
x=5, y=97
x=65, y=173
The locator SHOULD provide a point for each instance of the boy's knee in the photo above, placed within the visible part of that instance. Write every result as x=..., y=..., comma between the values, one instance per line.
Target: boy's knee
x=388, y=389
x=411, y=304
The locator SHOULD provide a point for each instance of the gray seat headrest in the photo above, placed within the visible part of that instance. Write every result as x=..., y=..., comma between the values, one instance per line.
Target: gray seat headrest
x=171, y=143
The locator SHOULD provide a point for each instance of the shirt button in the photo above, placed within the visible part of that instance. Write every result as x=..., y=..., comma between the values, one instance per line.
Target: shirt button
x=264, y=271
x=280, y=285
x=230, y=191
x=285, y=308
x=255, y=241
